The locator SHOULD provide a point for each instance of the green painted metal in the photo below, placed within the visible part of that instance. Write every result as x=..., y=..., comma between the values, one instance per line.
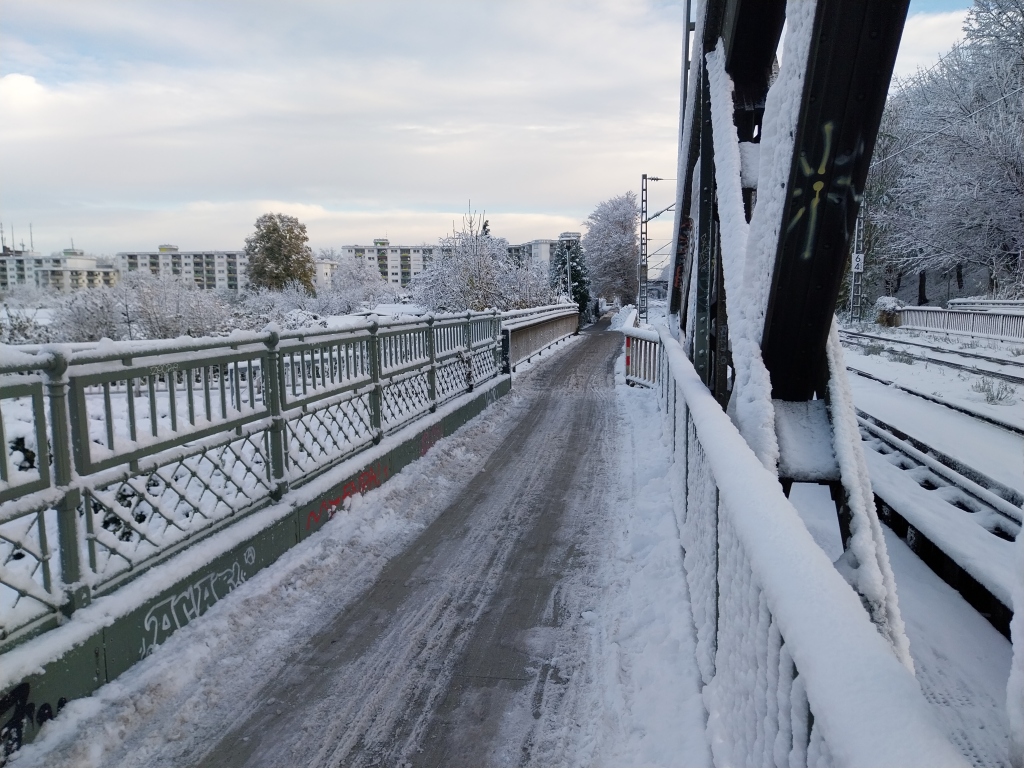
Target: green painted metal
x=84, y=667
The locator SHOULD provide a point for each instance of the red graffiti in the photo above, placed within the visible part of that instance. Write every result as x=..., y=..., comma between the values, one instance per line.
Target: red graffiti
x=328, y=507
x=429, y=437
x=368, y=479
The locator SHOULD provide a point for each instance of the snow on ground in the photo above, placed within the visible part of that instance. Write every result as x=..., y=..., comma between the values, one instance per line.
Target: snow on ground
x=179, y=697
x=962, y=663
x=958, y=387
x=638, y=703
x=647, y=684
x=985, y=447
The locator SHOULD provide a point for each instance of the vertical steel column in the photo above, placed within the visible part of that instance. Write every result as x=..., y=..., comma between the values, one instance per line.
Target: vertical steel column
x=273, y=389
x=76, y=593
x=641, y=274
x=706, y=243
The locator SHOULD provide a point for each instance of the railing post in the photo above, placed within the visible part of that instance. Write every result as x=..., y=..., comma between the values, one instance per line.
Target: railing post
x=432, y=370
x=76, y=593
x=506, y=350
x=273, y=389
x=469, y=351
x=377, y=393
x=496, y=337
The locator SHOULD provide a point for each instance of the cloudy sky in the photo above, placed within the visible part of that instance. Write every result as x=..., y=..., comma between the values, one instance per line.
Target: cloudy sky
x=129, y=124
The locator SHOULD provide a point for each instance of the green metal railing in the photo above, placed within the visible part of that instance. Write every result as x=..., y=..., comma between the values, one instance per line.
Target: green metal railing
x=119, y=455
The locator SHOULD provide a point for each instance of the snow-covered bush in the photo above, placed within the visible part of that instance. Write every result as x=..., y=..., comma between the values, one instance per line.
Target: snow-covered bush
x=20, y=325
x=472, y=270
x=887, y=311
x=89, y=315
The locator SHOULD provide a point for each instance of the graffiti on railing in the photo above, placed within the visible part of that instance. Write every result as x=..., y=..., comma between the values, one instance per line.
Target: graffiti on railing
x=173, y=613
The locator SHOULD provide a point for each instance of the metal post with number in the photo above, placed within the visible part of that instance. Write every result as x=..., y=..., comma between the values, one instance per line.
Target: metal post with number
x=641, y=269
x=857, y=269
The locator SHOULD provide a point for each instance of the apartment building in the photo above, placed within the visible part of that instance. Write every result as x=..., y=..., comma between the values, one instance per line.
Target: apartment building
x=398, y=264
x=208, y=269
x=537, y=251
x=66, y=271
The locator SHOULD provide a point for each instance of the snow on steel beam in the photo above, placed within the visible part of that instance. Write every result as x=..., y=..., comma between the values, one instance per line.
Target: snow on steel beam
x=853, y=50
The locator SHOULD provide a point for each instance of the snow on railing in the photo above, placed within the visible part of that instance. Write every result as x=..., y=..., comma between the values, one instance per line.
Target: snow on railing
x=118, y=453
x=987, y=323
x=641, y=350
x=795, y=673
x=527, y=332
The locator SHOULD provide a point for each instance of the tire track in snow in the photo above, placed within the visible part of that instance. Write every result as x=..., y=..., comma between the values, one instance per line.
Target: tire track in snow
x=368, y=687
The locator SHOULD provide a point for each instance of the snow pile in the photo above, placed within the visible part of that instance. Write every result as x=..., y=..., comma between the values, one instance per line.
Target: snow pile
x=644, y=705
x=624, y=318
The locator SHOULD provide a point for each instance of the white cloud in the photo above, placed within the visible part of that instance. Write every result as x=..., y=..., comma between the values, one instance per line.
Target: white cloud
x=383, y=114
x=926, y=37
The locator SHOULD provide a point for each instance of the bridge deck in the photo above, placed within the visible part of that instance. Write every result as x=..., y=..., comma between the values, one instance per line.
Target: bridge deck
x=474, y=622
x=490, y=637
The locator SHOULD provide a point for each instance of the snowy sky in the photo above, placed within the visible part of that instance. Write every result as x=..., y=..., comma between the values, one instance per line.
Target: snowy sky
x=129, y=124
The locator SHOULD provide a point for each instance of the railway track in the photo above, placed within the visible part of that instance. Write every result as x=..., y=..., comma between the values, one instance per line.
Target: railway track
x=960, y=521
x=868, y=339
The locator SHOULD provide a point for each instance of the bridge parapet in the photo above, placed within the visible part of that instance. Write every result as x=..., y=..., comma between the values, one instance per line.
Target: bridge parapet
x=795, y=673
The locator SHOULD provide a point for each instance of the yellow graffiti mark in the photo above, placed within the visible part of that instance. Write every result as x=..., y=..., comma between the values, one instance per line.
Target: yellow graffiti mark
x=810, y=209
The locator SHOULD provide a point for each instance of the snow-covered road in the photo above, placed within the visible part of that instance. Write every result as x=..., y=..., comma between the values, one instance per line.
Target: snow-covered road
x=496, y=603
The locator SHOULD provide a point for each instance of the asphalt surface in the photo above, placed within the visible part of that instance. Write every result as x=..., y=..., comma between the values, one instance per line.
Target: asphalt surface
x=464, y=649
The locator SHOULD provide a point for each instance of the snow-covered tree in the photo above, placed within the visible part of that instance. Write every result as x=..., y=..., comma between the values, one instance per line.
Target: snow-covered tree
x=612, y=247
x=278, y=253
x=473, y=270
x=141, y=306
x=570, y=249
x=89, y=315
x=953, y=188
x=356, y=283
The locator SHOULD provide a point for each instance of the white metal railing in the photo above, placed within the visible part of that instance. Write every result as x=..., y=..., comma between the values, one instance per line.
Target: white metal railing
x=118, y=454
x=641, y=364
x=794, y=671
x=1012, y=306
x=527, y=332
x=989, y=324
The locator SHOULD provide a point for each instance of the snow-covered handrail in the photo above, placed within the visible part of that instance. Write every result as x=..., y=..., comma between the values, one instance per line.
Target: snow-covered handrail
x=795, y=671
x=1002, y=325
x=527, y=332
x=117, y=453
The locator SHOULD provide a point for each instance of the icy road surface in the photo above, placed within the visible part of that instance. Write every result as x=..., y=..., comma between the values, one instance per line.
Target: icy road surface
x=499, y=602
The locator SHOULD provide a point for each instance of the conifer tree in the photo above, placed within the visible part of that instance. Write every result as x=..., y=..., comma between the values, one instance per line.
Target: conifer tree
x=278, y=254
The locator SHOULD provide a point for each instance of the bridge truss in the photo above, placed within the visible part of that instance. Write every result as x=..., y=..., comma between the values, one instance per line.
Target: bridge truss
x=772, y=165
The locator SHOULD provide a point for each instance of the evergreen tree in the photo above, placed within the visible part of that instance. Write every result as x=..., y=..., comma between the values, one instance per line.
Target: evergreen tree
x=278, y=254
x=569, y=249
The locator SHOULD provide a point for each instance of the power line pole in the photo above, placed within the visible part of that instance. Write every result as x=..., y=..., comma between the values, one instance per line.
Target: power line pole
x=857, y=269
x=641, y=302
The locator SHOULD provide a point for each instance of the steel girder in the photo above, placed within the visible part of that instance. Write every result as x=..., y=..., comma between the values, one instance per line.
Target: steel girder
x=852, y=53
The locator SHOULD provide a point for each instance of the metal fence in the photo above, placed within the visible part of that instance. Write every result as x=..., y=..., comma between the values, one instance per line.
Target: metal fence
x=991, y=324
x=120, y=455
x=527, y=332
x=794, y=672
